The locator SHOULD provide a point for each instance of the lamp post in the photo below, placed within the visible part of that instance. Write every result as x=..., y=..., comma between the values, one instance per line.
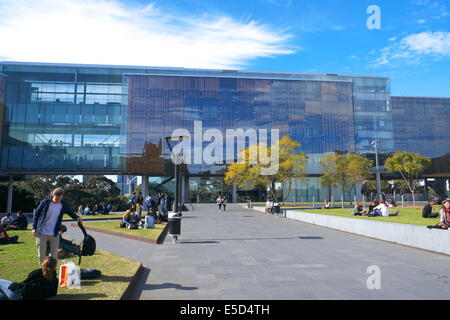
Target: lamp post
x=374, y=143
x=176, y=205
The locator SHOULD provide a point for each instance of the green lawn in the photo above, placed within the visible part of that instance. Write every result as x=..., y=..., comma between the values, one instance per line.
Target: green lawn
x=17, y=260
x=152, y=234
x=406, y=216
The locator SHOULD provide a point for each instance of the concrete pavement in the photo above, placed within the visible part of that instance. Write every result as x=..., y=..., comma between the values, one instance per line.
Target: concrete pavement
x=243, y=254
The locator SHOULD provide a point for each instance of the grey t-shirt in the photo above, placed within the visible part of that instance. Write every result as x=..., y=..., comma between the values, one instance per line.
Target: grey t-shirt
x=48, y=226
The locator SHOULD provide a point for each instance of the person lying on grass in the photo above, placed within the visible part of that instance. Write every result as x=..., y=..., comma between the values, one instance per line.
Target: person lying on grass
x=39, y=285
x=5, y=239
x=444, y=217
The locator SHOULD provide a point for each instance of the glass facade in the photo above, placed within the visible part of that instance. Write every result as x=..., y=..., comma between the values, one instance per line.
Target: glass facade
x=61, y=118
x=319, y=114
x=422, y=125
x=89, y=119
x=2, y=105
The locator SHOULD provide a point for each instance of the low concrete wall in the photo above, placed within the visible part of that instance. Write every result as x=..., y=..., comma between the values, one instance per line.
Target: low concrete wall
x=405, y=234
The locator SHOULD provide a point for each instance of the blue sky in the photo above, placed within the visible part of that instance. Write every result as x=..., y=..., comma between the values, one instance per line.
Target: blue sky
x=412, y=47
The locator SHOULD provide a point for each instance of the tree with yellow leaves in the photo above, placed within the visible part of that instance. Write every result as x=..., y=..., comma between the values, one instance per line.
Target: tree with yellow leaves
x=290, y=165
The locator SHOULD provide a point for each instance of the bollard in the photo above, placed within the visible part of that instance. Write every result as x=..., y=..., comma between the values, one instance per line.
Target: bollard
x=314, y=202
x=342, y=201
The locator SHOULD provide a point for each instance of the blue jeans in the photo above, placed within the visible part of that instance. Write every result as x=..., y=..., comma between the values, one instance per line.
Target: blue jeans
x=5, y=292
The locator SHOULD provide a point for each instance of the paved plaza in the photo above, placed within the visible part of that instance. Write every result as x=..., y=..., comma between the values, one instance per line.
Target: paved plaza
x=244, y=254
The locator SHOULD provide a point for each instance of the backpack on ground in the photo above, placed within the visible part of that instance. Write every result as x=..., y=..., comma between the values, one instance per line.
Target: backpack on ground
x=88, y=245
x=123, y=225
x=90, y=274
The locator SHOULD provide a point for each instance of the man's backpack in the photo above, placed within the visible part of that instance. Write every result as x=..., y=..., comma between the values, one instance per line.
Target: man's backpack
x=88, y=245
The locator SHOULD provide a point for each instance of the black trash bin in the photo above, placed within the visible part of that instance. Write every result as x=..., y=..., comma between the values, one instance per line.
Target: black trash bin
x=175, y=226
x=277, y=209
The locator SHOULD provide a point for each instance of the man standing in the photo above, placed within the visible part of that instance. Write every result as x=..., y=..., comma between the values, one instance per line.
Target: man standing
x=47, y=221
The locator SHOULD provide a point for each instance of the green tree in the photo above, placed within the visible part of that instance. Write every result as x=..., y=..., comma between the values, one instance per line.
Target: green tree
x=409, y=165
x=345, y=171
x=101, y=190
x=97, y=190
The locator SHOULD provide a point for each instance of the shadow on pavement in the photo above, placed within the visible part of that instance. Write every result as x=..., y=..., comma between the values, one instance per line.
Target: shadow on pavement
x=311, y=238
x=243, y=239
x=167, y=286
x=141, y=285
x=198, y=242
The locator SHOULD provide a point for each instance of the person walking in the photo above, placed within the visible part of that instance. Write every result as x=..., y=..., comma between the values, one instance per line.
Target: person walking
x=219, y=203
x=47, y=221
x=224, y=202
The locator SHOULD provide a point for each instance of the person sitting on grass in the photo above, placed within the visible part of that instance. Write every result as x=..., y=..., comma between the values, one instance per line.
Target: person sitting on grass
x=20, y=223
x=6, y=220
x=134, y=219
x=39, y=285
x=391, y=203
x=382, y=210
x=149, y=221
x=69, y=248
x=444, y=217
x=126, y=219
x=326, y=205
x=87, y=211
x=427, y=211
x=358, y=210
x=373, y=205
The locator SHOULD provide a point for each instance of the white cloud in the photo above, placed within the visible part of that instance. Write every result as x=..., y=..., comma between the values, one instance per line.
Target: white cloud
x=111, y=32
x=421, y=21
x=415, y=48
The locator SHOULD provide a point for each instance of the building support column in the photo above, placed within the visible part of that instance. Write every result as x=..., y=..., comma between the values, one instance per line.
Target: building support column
x=234, y=194
x=144, y=186
x=10, y=195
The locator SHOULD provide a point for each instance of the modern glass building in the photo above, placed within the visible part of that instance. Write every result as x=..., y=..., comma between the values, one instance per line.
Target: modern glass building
x=89, y=119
